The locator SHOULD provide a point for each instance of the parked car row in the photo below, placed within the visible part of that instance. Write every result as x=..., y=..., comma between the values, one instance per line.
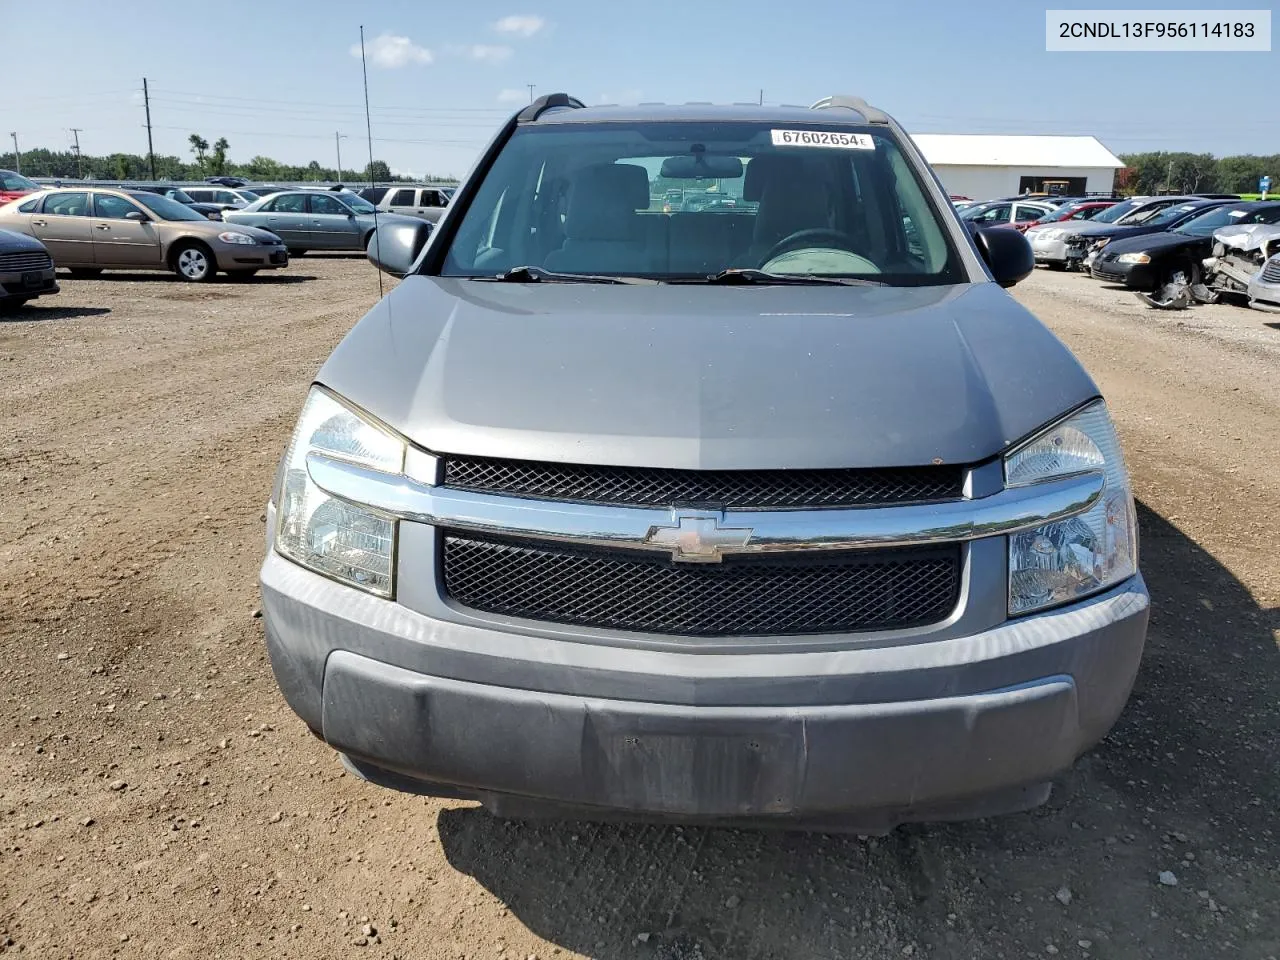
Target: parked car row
x=1173, y=251
x=90, y=229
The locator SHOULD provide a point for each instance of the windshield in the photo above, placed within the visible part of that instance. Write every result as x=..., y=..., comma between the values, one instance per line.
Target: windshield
x=16, y=181
x=248, y=196
x=1059, y=213
x=1206, y=223
x=180, y=195
x=1168, y=215
x=357, y=203
x=1114, y=213
x=688, y=200
x=165, y=208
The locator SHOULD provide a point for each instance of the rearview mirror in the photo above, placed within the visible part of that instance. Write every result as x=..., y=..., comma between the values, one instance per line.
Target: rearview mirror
x=395, y=246
x=1007, y=254
x=701, y=167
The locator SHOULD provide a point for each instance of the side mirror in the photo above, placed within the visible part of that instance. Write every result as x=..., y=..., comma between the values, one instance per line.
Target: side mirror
x=395, y=246
x=137, y=216
x=1007, y=254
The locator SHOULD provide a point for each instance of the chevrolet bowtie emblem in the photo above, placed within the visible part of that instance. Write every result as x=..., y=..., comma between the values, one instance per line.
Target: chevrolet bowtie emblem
x=697, y=537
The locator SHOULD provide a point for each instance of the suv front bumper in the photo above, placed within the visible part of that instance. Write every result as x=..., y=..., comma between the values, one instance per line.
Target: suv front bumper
x=855, y=738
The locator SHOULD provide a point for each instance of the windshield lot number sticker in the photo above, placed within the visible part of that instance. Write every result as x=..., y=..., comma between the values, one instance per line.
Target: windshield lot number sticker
x=822, y=138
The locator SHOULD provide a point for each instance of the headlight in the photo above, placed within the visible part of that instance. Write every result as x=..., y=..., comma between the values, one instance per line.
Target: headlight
x=232, y=236
x=1099, y=244
x=327, y=535
x=1133, y=258
x=1070, y=559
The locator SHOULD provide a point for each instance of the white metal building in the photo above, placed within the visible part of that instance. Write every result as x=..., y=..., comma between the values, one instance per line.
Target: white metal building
x=982, y=167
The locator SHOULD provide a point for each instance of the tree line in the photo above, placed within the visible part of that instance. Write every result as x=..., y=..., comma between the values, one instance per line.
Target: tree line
x=206, y=161
x=1161, y=172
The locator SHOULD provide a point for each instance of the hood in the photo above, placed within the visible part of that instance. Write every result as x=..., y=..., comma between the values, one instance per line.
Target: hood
x=1113, y=232
x=1085, y=228
x=13, y=242
x=1154, y=242
x=1248, y=237
x=215, y=227
x=698, y=377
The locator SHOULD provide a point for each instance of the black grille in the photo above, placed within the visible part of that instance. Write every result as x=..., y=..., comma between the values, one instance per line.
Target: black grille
x=26, y=260
x=739, y=489
x=743, y=596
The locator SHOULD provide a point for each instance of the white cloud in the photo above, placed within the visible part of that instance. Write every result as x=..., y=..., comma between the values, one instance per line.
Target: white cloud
x=389, y=51
x=487, y=53
x=520, y=25
x=511, y=95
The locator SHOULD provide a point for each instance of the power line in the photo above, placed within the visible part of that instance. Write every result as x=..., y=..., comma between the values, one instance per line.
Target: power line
x=327, y=118
x=329, y=105
x=325, y=136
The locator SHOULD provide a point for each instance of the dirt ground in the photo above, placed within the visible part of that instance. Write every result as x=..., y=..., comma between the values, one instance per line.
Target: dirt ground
x=158, y=799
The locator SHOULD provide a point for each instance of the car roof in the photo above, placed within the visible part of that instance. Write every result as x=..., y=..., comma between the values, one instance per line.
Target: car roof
x=668, y=112
x=1253, y=204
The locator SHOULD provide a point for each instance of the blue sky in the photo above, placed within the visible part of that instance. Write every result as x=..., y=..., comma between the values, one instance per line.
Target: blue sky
x=280, y=79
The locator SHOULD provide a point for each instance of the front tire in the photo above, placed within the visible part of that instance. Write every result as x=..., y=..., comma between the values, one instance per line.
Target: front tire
x=194, y=263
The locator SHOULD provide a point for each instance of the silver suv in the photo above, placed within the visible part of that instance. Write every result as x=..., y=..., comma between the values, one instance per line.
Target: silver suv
x=781, y=512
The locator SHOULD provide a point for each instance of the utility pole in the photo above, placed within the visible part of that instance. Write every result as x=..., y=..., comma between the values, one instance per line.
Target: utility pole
x=337, y=143
x=151, y=151
x=75, y=132
x=762, y=96
x=17, y=154
x=530, y=86
x=1168, y=178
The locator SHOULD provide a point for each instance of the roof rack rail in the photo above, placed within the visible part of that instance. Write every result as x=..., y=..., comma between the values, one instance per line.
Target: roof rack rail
x=547, y=102
x=853, y=103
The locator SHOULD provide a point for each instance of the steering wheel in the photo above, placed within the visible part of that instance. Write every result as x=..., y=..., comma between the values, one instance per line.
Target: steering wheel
x=812, y=237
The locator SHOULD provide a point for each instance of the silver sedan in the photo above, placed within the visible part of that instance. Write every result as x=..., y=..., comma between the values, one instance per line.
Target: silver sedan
x=1264, y=289
x=314, y=219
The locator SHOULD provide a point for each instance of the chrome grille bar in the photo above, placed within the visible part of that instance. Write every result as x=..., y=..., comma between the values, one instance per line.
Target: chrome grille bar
x=748, y=531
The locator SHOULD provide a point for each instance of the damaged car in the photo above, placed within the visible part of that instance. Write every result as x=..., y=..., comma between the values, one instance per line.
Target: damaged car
x=1058, y=245
x=1163, y=267
x=1142, y=223
x=1238, y=256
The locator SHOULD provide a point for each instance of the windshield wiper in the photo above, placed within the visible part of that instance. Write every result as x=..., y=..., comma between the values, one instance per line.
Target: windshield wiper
x=532, y=274
x=751, y=275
